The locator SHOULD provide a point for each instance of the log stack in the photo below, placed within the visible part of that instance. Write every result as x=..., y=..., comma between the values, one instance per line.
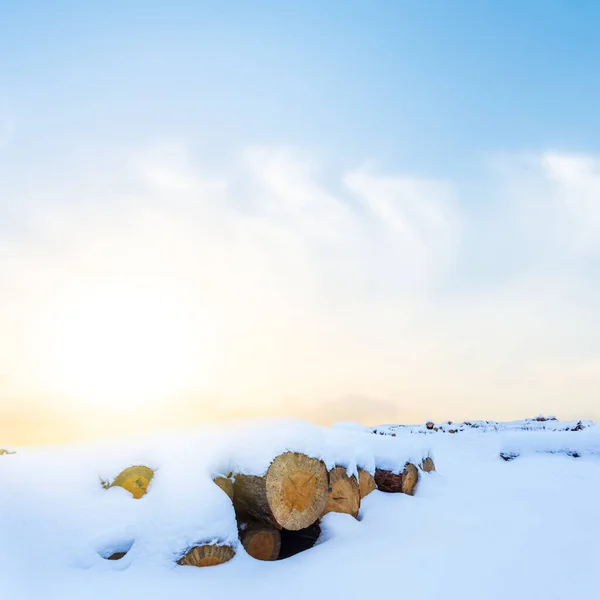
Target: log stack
x=291, y=495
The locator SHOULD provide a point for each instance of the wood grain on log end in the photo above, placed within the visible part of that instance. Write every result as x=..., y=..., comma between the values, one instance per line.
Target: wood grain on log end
x=134, y=479
x=366, y=483
x=262, y=542
x=344, y=494
x=207, y=555
x=410, y=477
x=292, y=495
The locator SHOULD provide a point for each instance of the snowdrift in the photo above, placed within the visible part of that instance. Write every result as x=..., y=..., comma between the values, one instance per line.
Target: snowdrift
x=477, y=527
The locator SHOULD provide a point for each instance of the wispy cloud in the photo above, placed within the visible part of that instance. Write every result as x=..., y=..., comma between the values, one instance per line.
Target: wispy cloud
x=299, y=283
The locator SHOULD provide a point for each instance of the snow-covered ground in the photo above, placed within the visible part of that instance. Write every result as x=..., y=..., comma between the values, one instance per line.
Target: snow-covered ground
x=479, y=528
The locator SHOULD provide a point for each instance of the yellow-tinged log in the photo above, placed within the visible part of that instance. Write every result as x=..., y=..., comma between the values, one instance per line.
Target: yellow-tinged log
x=134, y=479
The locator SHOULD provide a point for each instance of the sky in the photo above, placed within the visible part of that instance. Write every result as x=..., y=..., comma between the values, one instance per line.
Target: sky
x=371, y=211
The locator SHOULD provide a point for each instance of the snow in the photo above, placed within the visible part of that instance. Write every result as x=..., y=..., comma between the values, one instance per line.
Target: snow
x=480, y=527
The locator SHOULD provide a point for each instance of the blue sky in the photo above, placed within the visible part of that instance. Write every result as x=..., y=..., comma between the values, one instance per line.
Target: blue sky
x=383, y=211
x=432, y=85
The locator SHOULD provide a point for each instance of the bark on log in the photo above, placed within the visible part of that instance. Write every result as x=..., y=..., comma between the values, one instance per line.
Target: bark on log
x=366, y=483
x=292, y=495
x=427, y=465
x=261, y=541
x=207, y=555
x=344, y=493
x=410, y=477
x=134, y=479
x=387, y=481
x=404, y=482
x=225, y=484
x=294, y=542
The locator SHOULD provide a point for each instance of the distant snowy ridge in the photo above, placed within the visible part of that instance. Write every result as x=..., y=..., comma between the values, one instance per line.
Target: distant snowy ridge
x=539, y=423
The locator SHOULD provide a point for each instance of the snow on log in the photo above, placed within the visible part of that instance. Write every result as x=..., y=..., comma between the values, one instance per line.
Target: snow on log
x=427, y=465
x=344, y=493
x=134, y=479
x=366, y=483
x=225, y=484
x=291, y=495
x=261, y=541
x=405, y=482
x=207, y=555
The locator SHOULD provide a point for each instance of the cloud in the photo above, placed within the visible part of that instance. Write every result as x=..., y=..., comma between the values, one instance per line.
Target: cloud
x=399, y=297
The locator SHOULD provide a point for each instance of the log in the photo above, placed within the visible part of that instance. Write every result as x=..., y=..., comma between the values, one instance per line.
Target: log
x=207, y=555
x=387, y=481
x=134, y=479
x=294, y=542
x=225, y=484
x=116, y=556
x=410, y=477
x=291, y=495
x=405, y=482
x=427, y=465
x=344, y=493
x=261, y=541
x=4, y=451
x=366, y=483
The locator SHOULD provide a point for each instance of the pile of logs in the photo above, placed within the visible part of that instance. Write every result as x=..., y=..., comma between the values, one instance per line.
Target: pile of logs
x=279, y=513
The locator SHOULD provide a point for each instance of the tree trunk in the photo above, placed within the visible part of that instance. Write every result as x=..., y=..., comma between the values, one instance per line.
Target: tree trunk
x=261, y=541
x=366, y=483
x=344, y=494
x=134, y=479
x=427, y=464
x=207, y=555
x=225, y=484
x=292, y=495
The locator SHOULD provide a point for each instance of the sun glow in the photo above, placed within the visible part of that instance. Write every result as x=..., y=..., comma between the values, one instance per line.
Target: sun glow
x=122, y=346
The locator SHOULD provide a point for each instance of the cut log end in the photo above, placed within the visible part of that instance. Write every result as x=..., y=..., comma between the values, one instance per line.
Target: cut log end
x=296, y=490
x=410, y=477
x=366, y=483
x=427, y=465
x=225, y=484
x=262, y=542
x=344, y=494
x=134, y=479
x=207, y=555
